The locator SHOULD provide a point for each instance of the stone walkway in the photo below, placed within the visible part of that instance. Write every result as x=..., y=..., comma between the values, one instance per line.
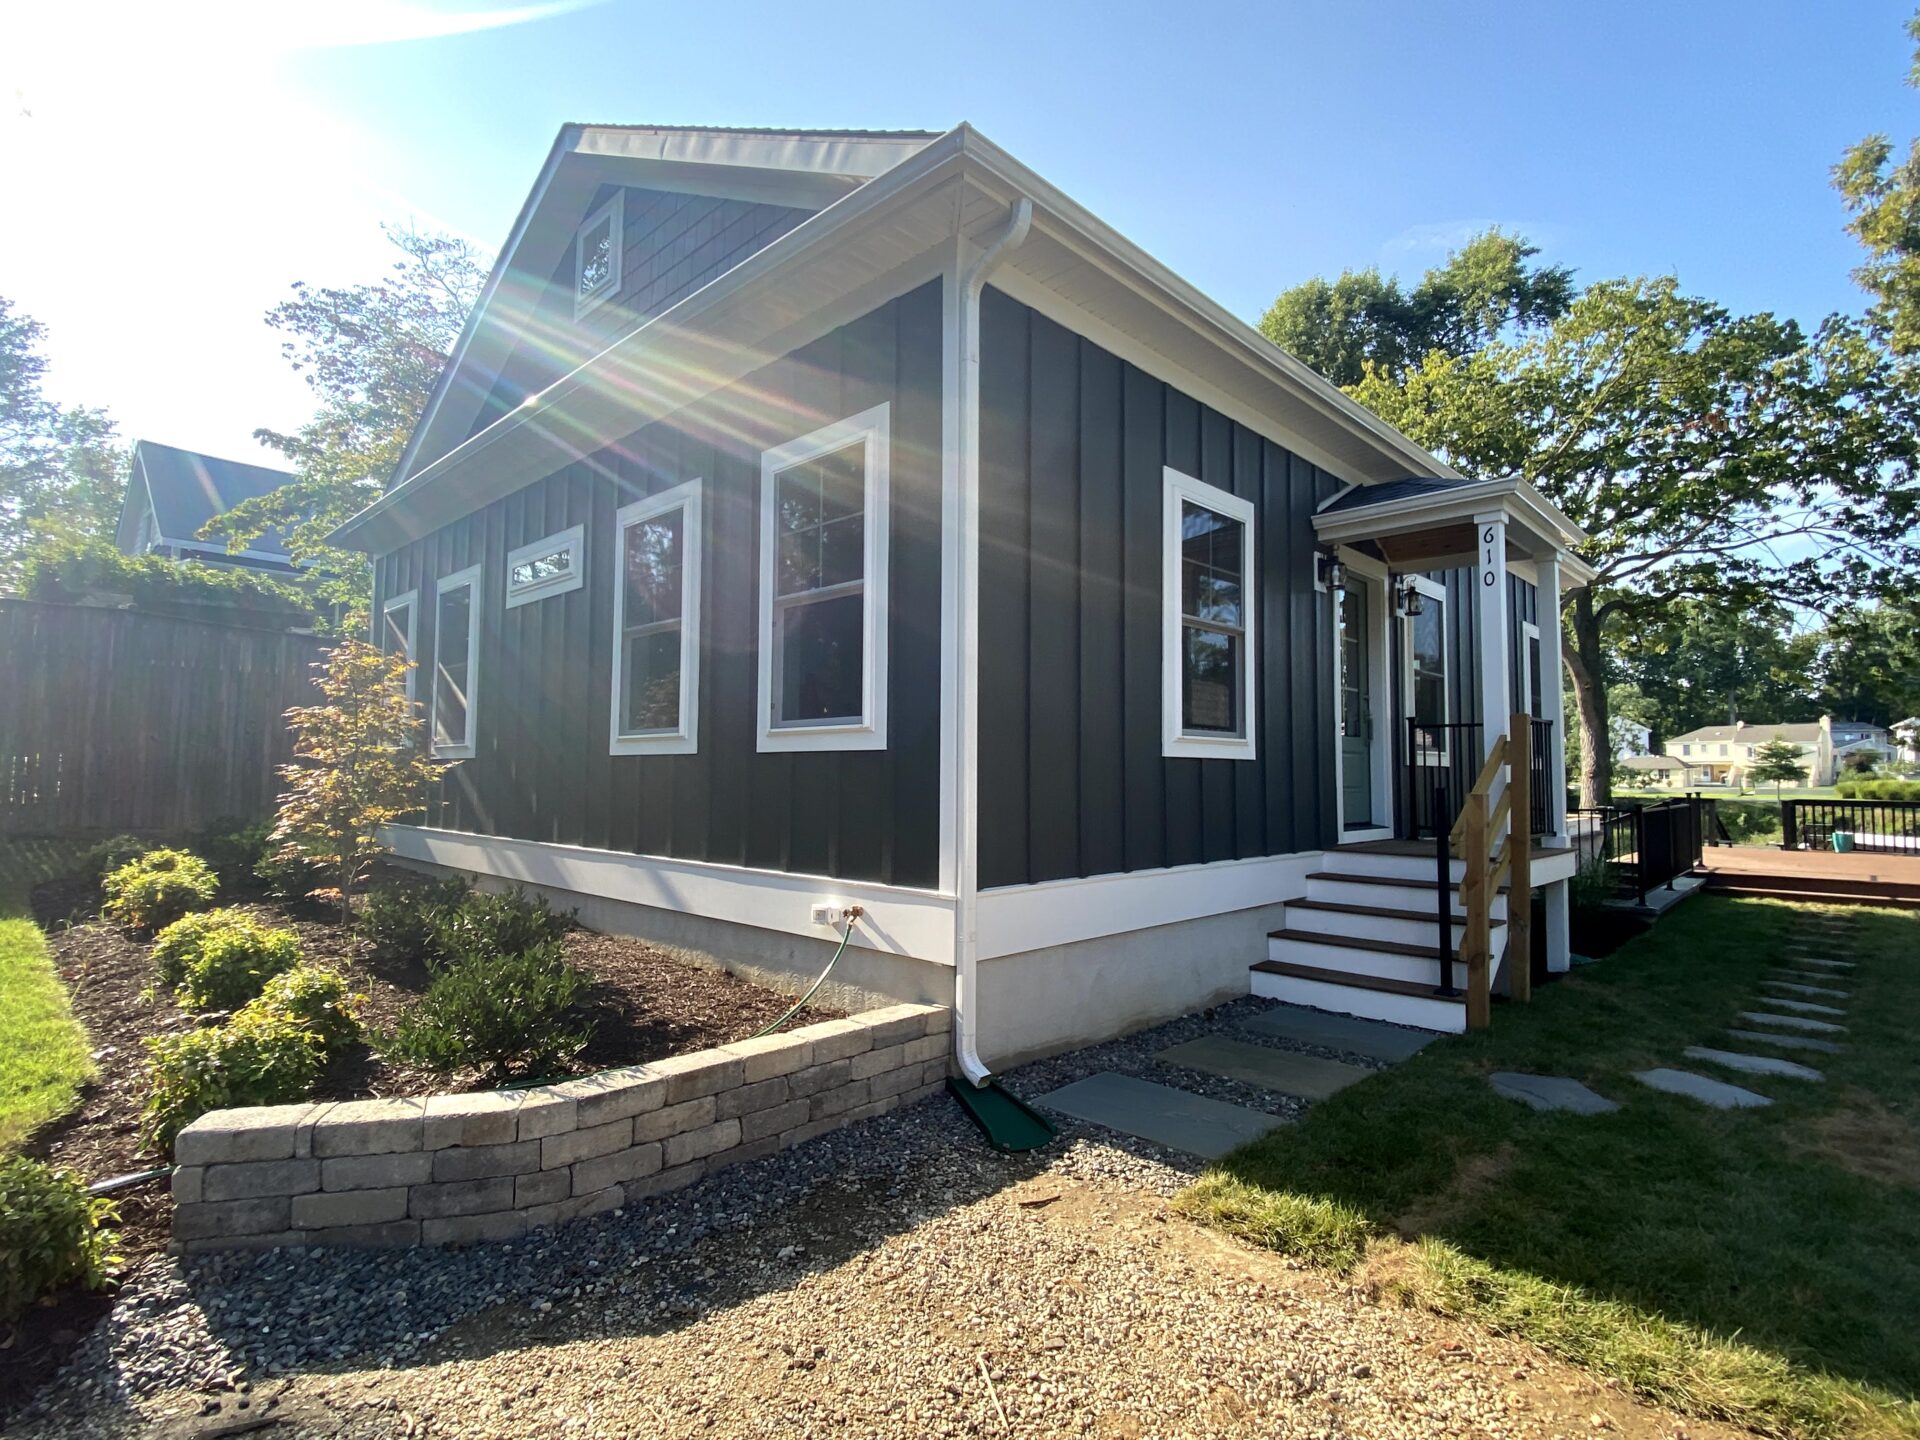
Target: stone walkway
x=1254, y=1052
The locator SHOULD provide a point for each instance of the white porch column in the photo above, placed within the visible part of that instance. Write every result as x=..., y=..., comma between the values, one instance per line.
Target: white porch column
x=1552, y=695
x=1559, y=897
x=1491, y=627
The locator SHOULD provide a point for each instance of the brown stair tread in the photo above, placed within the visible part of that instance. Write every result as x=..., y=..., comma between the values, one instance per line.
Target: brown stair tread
x=1383, y=911
x=1356, y=942
x=1356, y=982
x=1400, y=880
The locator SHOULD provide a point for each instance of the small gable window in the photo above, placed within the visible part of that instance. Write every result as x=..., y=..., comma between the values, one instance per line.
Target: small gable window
x=596, y=258
x=1207, y=621
x=546, y=567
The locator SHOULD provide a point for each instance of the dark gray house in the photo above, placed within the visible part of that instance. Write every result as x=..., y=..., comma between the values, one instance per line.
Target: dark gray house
x=172, y=493
x=818, y=519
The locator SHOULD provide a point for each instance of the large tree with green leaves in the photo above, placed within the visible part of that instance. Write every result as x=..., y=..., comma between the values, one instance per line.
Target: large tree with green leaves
x=1882, y=195
x=62, y=468
x=372, y=353
x=1726, y=458
x=1488, y=287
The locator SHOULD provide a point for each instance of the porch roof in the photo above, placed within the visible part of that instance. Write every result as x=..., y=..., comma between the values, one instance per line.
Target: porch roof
x=1427, y=522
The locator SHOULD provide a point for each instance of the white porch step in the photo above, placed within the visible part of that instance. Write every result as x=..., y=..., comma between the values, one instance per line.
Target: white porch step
x=1371, y=998
x=1371, y=959
x=1387, y=864
x=1344, y=887
x=1416, y=924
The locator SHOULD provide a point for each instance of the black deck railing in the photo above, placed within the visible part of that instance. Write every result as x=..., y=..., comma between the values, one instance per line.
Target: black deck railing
x=1644, y=847
x=1879, y=826
x=1443, y=761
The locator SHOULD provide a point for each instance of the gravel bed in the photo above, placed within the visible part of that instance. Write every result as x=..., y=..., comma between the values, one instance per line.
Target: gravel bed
x=898, y=1277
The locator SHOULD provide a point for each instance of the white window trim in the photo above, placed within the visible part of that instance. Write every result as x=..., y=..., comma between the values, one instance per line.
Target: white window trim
x=574, y=542
x=410, y=599
x=462, y=749
x=613, y=211
x=1175, y=739
x=1529, y=631
x=869, y=731
x=1434, y=593
x=684, y=738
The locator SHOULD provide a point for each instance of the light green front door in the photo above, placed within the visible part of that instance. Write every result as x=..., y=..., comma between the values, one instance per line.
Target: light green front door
x=1356, y=707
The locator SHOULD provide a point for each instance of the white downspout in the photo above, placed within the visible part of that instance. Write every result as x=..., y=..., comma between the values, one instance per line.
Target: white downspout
x=966, y=940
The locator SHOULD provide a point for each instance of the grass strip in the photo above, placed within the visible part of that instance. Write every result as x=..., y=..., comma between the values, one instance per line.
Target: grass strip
x=44, y=1053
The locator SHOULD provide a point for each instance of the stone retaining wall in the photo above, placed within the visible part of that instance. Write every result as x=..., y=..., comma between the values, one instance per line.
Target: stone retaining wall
x=454, y=1168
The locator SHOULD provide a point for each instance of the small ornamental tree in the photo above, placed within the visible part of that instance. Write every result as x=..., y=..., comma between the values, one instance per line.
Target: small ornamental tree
x=1778, y=761
x=360, y=762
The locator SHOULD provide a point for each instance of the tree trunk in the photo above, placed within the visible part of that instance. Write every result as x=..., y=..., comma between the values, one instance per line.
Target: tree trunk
x=346, y=891
x=1586, y=668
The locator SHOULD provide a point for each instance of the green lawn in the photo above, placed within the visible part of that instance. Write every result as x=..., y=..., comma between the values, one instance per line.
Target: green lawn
x=43, y=1051
x=1758, y=1266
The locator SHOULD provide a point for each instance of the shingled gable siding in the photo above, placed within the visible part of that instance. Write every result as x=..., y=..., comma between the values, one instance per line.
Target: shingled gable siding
x=672, y=245
x=1073, y=446
x=450, y=1169
x=542, y=771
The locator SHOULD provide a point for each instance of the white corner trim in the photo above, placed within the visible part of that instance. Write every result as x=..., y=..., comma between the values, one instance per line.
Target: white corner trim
x=1019, y=918
x=684, y=738
x=1175, y=740
x=573, y=542
x=410, y=600
x=898, y=920
x=614, y=213
x=462, y=749
x=868, y=730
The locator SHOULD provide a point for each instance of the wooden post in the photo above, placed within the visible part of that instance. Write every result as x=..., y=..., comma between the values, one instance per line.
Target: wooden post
x=1475, y=949
x=1520, y=851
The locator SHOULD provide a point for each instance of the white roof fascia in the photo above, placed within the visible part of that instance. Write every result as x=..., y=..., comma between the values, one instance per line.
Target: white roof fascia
x=1458, y=503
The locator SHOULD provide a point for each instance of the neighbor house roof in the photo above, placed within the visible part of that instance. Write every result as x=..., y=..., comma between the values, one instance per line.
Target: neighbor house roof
x=186, y=489
x=1652, y=763
x=1748, y=734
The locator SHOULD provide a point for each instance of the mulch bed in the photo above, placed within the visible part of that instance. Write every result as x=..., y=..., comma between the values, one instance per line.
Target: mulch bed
x=646, y=1005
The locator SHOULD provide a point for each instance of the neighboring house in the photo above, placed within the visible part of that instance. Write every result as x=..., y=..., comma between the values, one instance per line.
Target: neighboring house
x=1906, y=738
x=172, y=493
x=1656, y=769
x=809, y=520
x=1722, y=754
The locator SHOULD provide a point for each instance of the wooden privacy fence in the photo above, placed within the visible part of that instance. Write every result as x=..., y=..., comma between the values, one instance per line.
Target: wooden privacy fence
x=116, y=720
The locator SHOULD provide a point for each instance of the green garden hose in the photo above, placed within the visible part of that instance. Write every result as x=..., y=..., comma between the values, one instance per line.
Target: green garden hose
x=853, y=914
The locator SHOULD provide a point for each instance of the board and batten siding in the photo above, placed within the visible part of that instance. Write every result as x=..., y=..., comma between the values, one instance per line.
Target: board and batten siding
x=672, y=244
x=542, y=769
x=1463, y=641
x=1072, y=780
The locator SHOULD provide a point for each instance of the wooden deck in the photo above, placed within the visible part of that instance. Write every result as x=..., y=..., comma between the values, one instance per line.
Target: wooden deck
x=1858, y=878
x=1424, y=848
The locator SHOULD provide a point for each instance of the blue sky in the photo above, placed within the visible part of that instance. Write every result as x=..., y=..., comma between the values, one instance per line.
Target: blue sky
x=182, y=164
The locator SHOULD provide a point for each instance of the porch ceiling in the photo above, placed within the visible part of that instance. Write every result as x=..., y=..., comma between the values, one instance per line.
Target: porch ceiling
x=1433, y=527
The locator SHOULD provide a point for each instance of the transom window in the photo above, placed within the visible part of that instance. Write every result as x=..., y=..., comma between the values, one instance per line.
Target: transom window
x=552, y=566
x=656, y=624
x=823, y=563
x=397, y=628
x=456, y=663
x=1207, y=638
x=596, y=257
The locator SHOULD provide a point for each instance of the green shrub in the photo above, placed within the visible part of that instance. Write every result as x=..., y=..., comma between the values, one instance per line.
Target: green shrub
x=404, y=920
x=508, y=1013
x=487, y=926
x=223, y=966
x=51, y=1234
x=109, y=855
x=157, y=889
x=1905, y=791
x=314, y=998
x=1593, y=885
x=288, y=877
x=260, y=1057
x=235, y=850
x=181, y=941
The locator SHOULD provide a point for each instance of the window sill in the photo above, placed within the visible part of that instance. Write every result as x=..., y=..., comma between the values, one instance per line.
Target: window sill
x=674, y=744
x=822, y=737
x=452, y=752
x=1202, y=747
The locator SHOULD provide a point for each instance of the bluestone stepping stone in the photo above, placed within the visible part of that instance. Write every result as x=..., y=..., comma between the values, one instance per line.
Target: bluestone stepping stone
x=1804, y=1007
x=1752, y=1064
x=1794, y=1022
x=1550, y=1092
x=1177, y=1119
x=1285, y=1071
x=1787, y=1042
x=1340, y=1032
x=1717, y=1093
x=1800, y=989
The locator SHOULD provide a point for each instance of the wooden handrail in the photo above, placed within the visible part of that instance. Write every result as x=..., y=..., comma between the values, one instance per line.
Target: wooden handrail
x=1489, y=772
x=1495, y=839
x=1520, y=860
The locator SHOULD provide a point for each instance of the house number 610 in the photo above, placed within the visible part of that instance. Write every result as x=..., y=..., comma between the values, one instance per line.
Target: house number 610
x=1486, y=573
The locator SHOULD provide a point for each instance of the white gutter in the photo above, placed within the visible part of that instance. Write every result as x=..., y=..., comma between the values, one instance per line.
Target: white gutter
x=966, y=907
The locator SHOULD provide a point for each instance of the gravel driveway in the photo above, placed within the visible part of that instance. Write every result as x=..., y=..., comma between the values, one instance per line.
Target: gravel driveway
x=898, y=1278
